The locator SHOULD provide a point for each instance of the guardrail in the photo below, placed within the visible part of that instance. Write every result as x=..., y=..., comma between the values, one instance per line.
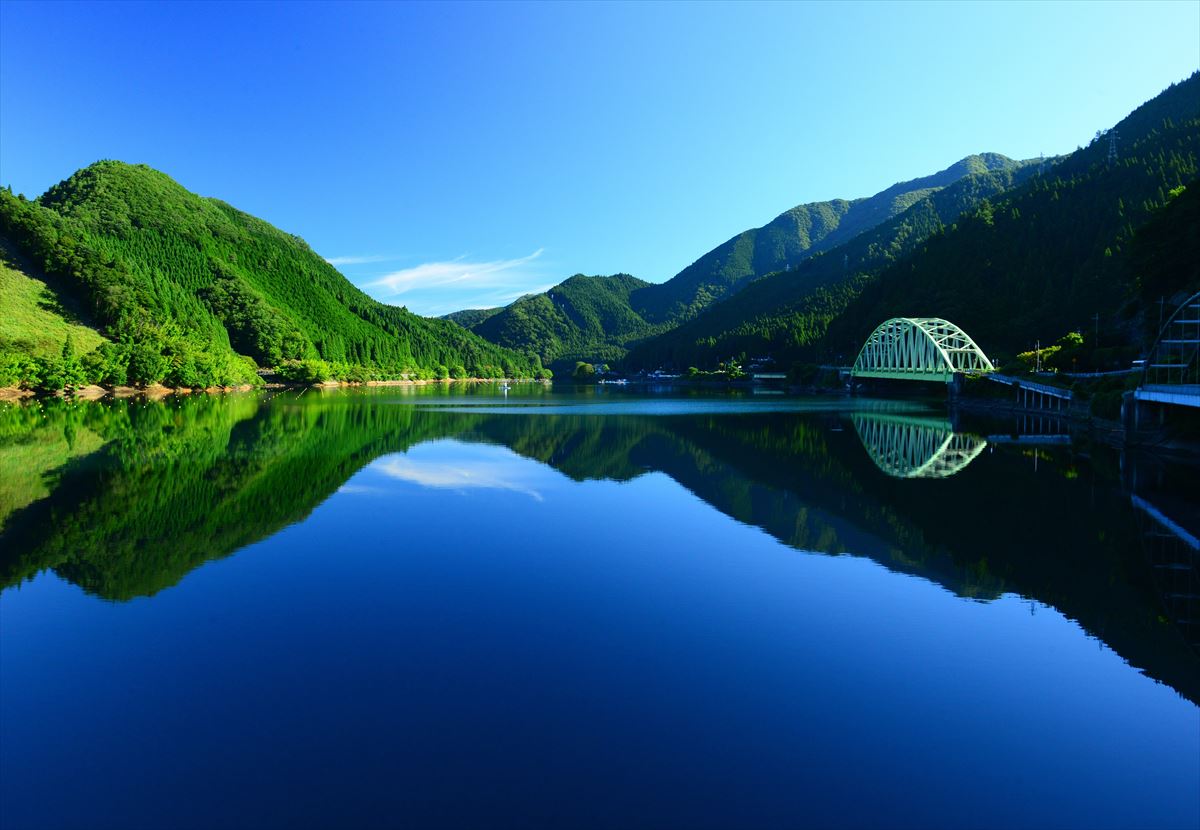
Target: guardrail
x=1033, y=386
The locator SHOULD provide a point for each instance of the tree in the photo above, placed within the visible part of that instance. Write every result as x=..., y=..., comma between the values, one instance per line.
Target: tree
x=146, y=364
x=73, y=376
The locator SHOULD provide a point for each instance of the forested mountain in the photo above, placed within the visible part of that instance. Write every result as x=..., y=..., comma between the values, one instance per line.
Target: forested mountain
x=470, y=317
x=789, y=239
x=598, y=322
x=788, y=308
x=193, y=292
x=1164, y=262
x=583, y=318
x=1021, y=263
x=1054, y=255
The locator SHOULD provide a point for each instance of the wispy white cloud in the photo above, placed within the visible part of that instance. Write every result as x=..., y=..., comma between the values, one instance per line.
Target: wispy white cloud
x=361, y=490
x=356, y=260
x=476, y=276
x=485, y=299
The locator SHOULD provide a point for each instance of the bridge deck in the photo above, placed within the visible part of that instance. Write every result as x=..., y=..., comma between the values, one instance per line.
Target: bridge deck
x=1178, y=394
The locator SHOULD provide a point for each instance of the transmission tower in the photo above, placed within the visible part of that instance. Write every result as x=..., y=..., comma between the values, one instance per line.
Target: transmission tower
x=1112, y=145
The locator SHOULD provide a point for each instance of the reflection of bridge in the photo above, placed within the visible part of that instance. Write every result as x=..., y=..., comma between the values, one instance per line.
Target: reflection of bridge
x=1175, y=557
x=919, y=348
x=906, y=447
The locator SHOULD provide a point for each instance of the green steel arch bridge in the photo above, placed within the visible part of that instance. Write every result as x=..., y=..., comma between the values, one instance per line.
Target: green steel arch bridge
x=919, y=348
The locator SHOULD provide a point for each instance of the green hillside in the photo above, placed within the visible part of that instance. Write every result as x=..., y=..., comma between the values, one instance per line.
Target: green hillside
x=582, y=318
x=193, y=292
x=1164, y=260
x=470, y=317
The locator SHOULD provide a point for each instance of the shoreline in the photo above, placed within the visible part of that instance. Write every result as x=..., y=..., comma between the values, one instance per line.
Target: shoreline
x=158, y=391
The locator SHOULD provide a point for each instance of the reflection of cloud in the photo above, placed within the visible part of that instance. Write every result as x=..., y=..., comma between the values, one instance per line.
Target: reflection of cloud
x=460, y=475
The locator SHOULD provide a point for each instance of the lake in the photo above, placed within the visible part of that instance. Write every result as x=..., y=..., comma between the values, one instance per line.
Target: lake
x=437, y=607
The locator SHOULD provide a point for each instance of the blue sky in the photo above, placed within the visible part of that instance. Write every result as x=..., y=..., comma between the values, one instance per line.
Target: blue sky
x=449, y=156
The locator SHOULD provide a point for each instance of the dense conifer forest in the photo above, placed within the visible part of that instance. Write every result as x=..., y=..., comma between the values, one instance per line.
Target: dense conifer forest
x=192, y=292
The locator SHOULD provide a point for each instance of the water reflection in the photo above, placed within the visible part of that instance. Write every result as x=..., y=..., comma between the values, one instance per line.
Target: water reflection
x=911, y=447
x=125, y=498
x=444, y=465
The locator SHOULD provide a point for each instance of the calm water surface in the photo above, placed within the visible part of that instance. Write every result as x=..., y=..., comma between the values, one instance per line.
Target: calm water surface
x=592, y=608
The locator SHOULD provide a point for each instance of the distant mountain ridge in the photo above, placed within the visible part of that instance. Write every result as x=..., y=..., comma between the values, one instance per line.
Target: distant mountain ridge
x=584, y=318
x=569, y=323
x=790, y=238
x=767, y=307
x=1012, y=256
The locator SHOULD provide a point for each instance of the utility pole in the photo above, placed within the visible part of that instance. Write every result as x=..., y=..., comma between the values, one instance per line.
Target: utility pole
x=1037, y=365
x=1096, y=317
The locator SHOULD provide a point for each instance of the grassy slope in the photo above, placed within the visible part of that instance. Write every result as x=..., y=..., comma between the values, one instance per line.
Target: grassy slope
x=32, y=316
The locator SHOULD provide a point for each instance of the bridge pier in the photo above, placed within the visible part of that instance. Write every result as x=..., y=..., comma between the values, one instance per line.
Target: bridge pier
x=1162, y=423
x=1139, y=415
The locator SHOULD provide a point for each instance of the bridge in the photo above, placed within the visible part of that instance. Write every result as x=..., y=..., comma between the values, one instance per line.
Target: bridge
x=1172, y=371
x=919, y=348
x=913, y=447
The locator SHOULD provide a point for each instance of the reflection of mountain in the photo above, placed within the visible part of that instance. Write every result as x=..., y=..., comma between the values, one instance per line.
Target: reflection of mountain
x=173, y=485
x=178, y=484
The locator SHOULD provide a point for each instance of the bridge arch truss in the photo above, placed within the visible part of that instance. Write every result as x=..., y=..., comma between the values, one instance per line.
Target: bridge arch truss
x=1174, y=360
x=919, y=348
